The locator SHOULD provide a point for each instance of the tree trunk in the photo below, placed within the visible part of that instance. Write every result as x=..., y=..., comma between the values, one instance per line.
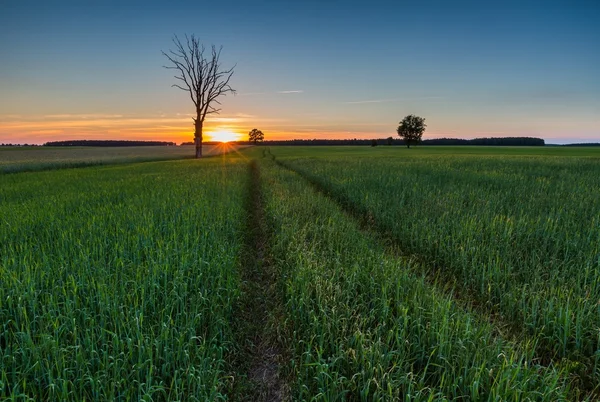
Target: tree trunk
x=408, y=144
x=198, y=138
x=198, y=143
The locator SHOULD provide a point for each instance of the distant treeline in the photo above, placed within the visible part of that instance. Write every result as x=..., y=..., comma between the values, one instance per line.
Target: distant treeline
x=18, y=145
x=106, y=143
x=505, y=141
x=583, y=144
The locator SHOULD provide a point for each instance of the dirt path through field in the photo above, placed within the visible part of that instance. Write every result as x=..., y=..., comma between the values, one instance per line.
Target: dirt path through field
x=261, y=307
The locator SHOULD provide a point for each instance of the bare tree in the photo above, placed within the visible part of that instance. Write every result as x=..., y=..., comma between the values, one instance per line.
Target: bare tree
x=201, y=75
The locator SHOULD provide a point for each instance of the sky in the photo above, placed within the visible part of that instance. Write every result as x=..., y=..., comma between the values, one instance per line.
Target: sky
x=303, y=69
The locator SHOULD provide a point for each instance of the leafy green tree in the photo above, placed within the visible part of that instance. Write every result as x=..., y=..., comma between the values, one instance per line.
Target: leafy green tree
x=411, y=129
x=256, y=135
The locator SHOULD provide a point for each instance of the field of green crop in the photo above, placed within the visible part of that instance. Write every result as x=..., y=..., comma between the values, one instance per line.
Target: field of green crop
x=305, y=273
x=119, y=282
x=364, y=326
x=21, y=159
x=517, y=235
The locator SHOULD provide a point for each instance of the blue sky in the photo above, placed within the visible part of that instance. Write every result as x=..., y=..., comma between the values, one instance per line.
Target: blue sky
x=310, y=69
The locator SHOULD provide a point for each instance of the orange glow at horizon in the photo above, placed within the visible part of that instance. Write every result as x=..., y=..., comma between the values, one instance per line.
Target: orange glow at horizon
x=223, y=135
x=177, y=127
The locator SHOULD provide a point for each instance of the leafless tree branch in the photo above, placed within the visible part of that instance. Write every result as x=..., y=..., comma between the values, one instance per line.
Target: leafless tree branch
x=201, y=75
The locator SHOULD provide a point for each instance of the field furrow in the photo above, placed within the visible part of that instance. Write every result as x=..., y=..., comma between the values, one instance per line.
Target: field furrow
x=260, y=353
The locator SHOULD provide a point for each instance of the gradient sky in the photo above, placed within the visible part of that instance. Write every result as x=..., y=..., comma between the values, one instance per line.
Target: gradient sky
x=305, y=69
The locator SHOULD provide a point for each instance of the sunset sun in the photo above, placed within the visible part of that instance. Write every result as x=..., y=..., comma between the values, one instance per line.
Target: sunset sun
x=223, y=135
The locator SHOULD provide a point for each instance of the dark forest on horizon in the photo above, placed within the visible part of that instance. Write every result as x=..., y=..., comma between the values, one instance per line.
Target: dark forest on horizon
x=499, y=141
x=504, y=141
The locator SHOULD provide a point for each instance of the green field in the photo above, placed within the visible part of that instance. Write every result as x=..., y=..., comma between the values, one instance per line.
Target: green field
x=21, y=159
x=305, y=273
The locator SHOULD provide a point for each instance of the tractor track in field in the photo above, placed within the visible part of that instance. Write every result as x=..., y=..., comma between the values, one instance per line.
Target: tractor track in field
x=262, y=355
x=434, y=276
x=446, y=283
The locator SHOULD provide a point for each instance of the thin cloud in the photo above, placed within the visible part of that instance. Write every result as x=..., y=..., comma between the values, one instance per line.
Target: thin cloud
x=124, y=124
x=371, y=101
x=35, y=132
x=106, y=122
x=390, y=100
x=297, y=91
x=83, y=116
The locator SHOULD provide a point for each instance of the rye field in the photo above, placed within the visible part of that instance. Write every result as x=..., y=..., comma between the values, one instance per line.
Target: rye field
x=26, y=159
x=304, y=273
